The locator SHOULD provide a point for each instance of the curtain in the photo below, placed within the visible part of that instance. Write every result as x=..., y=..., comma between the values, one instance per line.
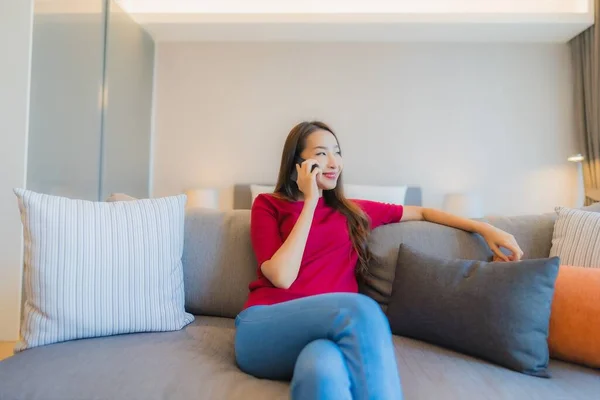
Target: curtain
x=585, y=52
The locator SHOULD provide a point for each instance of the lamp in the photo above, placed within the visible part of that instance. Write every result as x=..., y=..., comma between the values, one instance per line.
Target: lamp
x=202, y=198
x=578, y=158
x=466, y=205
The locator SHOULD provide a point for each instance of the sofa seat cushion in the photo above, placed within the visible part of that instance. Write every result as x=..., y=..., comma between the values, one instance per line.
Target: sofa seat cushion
x=198, y=362
x=431, y=372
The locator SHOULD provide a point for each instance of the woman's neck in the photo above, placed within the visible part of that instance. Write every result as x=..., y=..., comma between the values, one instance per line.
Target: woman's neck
x=301, y=196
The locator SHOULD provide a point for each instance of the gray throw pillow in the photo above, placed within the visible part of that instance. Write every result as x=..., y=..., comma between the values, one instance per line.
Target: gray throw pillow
x=499, y=312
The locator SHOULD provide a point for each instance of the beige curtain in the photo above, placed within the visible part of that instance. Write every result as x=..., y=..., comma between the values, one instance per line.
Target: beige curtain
x=585, y=51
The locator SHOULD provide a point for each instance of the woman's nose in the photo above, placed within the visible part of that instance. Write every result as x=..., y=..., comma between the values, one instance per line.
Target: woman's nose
x=332, y=162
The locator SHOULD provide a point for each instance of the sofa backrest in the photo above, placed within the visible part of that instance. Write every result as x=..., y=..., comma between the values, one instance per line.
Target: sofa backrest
x=219, y=263
x=533, y=233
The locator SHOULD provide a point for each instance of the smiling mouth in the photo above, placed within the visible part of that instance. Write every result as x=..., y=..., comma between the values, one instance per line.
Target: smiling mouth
x=330, y=175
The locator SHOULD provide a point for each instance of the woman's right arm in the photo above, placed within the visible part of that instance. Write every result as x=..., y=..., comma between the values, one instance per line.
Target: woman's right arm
x=282, y=268
x=280, y=262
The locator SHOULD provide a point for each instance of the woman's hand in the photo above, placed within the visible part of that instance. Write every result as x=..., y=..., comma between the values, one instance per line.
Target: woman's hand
x=307, y=181
x=496, y=239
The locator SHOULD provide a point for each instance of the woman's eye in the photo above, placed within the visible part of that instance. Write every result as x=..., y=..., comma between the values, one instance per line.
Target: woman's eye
x=320, y=154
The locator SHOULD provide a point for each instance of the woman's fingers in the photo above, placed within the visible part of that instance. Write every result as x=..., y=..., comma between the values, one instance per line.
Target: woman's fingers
x=513, y=247
x=315, y=172
x=516, y=251
x=499, y=254
x=498, y=239
x=308, y=164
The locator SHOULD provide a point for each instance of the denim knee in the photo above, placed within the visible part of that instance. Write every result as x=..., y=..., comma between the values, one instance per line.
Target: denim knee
x=321, y=360
x=365, y=312
x=321, y=373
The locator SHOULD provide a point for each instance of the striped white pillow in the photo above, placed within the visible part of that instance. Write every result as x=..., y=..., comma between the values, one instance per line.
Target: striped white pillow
x=98, y=269
x=576, y=238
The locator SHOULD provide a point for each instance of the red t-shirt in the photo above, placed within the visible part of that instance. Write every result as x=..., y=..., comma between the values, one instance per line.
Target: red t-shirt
x=329, y=260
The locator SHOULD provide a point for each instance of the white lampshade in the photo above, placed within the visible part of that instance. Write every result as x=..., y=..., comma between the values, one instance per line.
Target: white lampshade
x=203, y=198
x=576, y=158
x=467, y=205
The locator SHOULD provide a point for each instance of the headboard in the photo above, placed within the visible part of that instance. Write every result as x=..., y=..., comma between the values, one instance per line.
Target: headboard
x=242, y=197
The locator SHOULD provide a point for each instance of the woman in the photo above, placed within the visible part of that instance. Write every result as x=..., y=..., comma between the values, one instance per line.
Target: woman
x=304, y=319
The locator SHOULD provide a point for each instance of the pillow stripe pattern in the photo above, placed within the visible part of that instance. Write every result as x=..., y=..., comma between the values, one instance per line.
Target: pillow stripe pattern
x=96, y=269
x=576, y=238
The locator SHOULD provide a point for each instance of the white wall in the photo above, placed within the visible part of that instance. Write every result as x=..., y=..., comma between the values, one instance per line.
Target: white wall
x=495, y=119
x=15, y=42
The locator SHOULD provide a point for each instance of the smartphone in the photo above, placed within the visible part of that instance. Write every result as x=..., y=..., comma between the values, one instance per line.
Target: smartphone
x=300, y=160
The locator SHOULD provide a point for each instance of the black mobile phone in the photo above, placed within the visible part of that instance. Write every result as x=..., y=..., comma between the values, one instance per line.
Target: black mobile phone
x=299, y=161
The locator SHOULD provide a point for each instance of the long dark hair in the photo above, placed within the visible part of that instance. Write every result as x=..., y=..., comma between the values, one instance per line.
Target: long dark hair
x=358, y=223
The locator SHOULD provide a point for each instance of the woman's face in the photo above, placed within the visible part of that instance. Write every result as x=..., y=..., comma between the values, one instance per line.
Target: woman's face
x=323, y=147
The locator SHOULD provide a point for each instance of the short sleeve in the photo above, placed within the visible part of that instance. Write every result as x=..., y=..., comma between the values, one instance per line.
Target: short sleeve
x=381, y=213
x=264, y=229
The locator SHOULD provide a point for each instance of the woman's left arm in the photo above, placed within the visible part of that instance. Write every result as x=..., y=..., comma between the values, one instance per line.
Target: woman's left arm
x=495, y=238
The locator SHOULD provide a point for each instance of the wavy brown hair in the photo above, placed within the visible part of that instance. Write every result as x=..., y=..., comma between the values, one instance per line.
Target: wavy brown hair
x=358, y=223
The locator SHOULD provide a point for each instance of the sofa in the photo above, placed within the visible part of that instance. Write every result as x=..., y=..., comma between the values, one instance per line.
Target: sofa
x=198, y=361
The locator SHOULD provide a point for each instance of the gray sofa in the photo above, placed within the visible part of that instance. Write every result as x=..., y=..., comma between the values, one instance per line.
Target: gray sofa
x=198, y=362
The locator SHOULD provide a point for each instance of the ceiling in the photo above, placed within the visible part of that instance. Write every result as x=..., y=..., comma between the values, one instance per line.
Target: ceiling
x=354, y=6
x=363, y=21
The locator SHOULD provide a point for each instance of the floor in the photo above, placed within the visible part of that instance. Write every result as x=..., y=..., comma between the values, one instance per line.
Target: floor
x=6, y=349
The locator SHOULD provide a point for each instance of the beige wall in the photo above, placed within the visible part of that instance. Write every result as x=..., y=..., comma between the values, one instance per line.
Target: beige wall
x=15, y=42
x=495, y=119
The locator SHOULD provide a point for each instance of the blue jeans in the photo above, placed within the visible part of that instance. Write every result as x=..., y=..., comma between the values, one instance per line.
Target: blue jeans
x=332, y=346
